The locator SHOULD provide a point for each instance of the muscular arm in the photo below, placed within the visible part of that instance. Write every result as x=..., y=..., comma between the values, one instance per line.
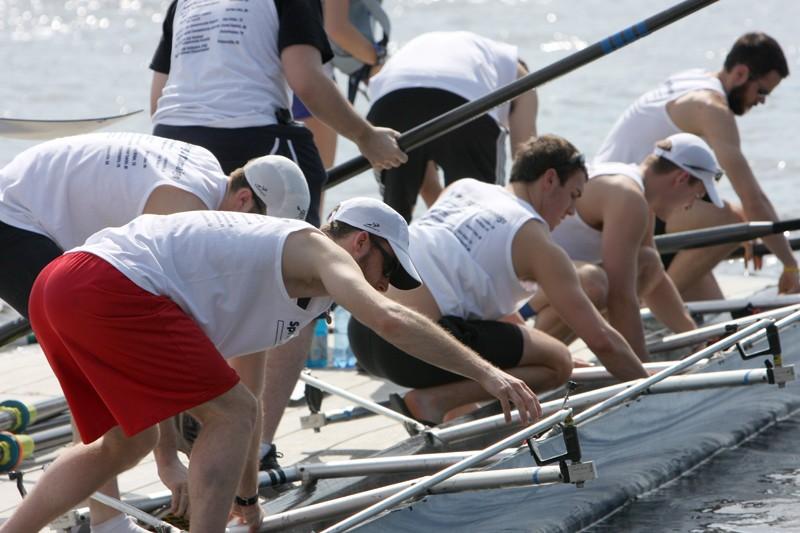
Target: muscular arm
x=343, y=33
x=156, y=89
x=399, y=325
x=522, y=118
x=712, y=120
x=662, y=296
x=624, y=222
x=302, y=66
x=537, y=258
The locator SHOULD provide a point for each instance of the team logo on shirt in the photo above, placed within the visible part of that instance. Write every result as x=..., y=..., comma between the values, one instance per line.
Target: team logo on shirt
x=292, y=327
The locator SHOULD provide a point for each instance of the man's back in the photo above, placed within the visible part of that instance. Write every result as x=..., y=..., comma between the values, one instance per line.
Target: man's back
x=647, y=120
x=69, y=188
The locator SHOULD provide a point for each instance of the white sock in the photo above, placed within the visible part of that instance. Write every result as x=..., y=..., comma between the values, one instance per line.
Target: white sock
x=119, y=524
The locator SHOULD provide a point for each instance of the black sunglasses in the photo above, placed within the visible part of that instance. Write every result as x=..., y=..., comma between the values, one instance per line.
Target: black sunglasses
x=390, y=262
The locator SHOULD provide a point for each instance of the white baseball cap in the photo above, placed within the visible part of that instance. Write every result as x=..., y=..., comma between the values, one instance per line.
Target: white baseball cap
x=692, y=154
x=377, y=218
x=280, y=184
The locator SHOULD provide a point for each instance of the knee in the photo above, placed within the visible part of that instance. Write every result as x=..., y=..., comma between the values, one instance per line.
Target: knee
x=595, y=284
x=649, y=262
x=236, y=409
x=563, y=365
x=128, y=451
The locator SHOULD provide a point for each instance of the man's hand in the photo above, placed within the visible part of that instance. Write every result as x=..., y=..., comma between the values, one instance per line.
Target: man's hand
x=175, y=477
x=789, y=283
x=379, y=146
x=508, y=390
x=250, y=515
x=749, y=256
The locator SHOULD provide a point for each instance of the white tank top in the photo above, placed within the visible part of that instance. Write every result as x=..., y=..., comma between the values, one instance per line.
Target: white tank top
x=222, y=268
x=460, y=62
x=646, y=121
x=69, y=188
x=219, y=48
x=581, y=241
x=462, y=250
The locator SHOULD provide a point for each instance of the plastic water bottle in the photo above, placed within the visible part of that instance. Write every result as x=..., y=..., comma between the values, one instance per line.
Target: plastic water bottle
x=318, y=355
x=342, y=356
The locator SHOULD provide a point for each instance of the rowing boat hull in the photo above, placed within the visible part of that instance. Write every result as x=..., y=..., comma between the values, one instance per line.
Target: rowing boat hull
x=673, y=433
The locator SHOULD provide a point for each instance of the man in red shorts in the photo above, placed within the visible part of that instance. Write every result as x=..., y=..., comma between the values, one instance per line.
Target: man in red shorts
x=138, y=322
x=107, y=179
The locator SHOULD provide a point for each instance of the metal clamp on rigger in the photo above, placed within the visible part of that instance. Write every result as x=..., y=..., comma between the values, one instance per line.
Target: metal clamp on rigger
x=776, y=372
x=576, y=472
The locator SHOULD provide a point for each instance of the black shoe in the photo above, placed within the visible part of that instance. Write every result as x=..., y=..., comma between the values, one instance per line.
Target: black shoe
x=269, y=461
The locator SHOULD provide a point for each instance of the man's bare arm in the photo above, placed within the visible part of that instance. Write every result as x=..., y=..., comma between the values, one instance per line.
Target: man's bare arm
x=156, y=89
x=412, y=332
x=550, y=266
x=717, y=125
x=522, y=116
x=302, y=66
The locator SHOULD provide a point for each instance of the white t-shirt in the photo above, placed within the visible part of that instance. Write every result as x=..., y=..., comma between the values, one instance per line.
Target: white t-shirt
x=462, y=250
x=222, y=268
x=222, y=48
x=581, y=241
x=646, y=121
x=460, y=62
x=69, y=188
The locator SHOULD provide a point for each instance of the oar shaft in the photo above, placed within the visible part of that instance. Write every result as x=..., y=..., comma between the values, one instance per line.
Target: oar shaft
x=451, y=120
x=744, y=231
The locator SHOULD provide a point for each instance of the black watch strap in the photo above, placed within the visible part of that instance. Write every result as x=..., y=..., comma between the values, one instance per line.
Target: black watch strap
x=246, y=502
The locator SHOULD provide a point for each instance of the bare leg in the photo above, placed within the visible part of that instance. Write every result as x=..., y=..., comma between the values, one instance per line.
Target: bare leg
x=693, y=267
x=431, y=185
x=594, y=283
x=76, y=474
x=218, y=456
x=283, y=367
x=546, y=364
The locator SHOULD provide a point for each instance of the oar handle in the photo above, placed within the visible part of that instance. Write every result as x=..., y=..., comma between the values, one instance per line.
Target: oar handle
x=471, y=110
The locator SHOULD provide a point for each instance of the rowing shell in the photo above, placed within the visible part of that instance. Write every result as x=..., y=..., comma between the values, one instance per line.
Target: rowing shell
x=42, y=130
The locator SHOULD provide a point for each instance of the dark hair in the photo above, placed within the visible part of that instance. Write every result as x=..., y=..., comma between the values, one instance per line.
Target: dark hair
x=239, y=181
x=760, y=53
x=538, y=154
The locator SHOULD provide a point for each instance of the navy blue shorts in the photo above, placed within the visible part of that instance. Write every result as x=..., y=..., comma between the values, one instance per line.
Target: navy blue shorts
x=235, y=147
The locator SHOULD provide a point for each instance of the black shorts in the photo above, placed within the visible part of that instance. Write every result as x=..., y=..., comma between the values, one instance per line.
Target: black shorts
x=499, y=343
x=475, y=150
x=235, y=147
x=24, y=255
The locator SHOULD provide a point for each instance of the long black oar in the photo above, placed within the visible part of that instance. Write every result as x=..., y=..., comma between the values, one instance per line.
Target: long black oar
x=451, y=120
x=722, y=234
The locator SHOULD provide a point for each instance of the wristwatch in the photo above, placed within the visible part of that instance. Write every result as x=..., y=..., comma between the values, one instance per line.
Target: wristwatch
x=380, y=54
x=246, y=502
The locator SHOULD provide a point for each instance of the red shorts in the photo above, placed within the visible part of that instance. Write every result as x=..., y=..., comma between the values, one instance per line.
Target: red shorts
x=122, y=355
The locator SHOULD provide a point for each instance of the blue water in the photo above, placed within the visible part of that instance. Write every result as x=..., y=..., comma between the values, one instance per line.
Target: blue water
x=752, y=489
x=83, y=58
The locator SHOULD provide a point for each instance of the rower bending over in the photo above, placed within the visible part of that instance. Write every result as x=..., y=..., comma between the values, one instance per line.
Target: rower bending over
x=612, y=227
x=706, y=104
x=56, y=194
x=216, y=285
x=481, y=251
